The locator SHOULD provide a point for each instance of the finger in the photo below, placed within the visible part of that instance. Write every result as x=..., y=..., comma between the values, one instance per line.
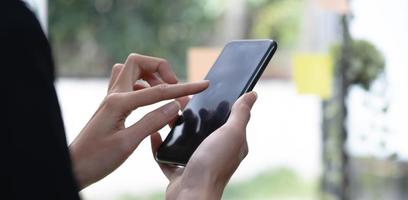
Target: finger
x=155, y=141
x=169, y=171
x=240, y=112
x=244, y=150
x=133, y=100
x=152, y=122
x=229, y=141
x=115, y=72
x=139, y=86
x=137, y=66
x=152, y=79
x=183, y=103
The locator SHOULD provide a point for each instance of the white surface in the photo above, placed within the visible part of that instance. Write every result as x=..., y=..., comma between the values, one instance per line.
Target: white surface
x=385, y=24
x=284, y=131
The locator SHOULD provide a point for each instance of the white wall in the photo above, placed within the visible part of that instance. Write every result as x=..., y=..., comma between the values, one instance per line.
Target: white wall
x=385, y=24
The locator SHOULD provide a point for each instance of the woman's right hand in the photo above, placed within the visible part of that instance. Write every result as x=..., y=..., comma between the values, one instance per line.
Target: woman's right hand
x=105, y=143
x=214, y=161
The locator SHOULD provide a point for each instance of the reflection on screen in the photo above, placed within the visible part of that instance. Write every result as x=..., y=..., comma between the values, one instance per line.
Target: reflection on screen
x=209, y=110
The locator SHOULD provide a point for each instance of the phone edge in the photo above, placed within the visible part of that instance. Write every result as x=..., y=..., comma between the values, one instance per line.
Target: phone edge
x=257, y=74
x=251, y=84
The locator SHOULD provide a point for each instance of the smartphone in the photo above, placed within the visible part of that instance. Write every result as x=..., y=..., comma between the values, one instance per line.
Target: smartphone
x=235, y=72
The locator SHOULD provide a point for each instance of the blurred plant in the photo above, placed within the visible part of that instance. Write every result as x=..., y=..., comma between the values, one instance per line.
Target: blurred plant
x=276, y=19
x=366, y=63
x=90, y=36
x=357, y=63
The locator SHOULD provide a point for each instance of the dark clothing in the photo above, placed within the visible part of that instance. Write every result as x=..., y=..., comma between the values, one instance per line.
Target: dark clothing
x=35, y=162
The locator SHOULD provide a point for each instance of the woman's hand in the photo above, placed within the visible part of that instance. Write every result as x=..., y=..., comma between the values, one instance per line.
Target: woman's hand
x=215, y=160
x=105, y=143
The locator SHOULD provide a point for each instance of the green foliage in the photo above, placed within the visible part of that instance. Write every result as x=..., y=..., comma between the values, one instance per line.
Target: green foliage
x=366, y=63
x=282, y=184
x=272, y=184
x=90, y=36
x=153, y=196
x=277, y=19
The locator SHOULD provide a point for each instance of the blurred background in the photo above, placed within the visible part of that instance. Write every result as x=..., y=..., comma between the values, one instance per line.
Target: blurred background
x=330, y=119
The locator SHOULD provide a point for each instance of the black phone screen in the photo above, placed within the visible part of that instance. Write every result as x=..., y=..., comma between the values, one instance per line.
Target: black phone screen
x=232, y=75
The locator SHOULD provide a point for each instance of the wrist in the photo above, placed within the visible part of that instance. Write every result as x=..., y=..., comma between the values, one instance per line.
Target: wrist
x=80, y=178
x=202, y=193
x=201, y=188
x=78, y=169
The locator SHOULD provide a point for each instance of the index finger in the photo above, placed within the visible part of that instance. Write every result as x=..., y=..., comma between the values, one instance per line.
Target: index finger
x=133, y=100
x=138, y=66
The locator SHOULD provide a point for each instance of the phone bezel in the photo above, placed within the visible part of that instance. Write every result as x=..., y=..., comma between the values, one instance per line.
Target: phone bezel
x=248, y=87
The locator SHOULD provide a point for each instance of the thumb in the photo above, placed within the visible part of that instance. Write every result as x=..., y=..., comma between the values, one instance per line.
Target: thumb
x=241, y=110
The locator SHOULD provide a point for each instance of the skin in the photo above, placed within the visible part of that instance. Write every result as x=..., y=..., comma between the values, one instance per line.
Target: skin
x=105, y=143
x=214, y=161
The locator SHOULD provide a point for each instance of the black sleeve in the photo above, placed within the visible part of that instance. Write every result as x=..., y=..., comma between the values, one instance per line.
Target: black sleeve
x=35, y=162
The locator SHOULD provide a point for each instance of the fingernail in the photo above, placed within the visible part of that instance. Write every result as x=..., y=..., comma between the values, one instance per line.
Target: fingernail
x=171, y=108
x=255, y=94
x=203, y=81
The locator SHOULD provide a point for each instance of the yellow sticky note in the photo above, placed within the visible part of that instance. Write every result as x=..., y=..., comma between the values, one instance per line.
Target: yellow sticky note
x=313, y=74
